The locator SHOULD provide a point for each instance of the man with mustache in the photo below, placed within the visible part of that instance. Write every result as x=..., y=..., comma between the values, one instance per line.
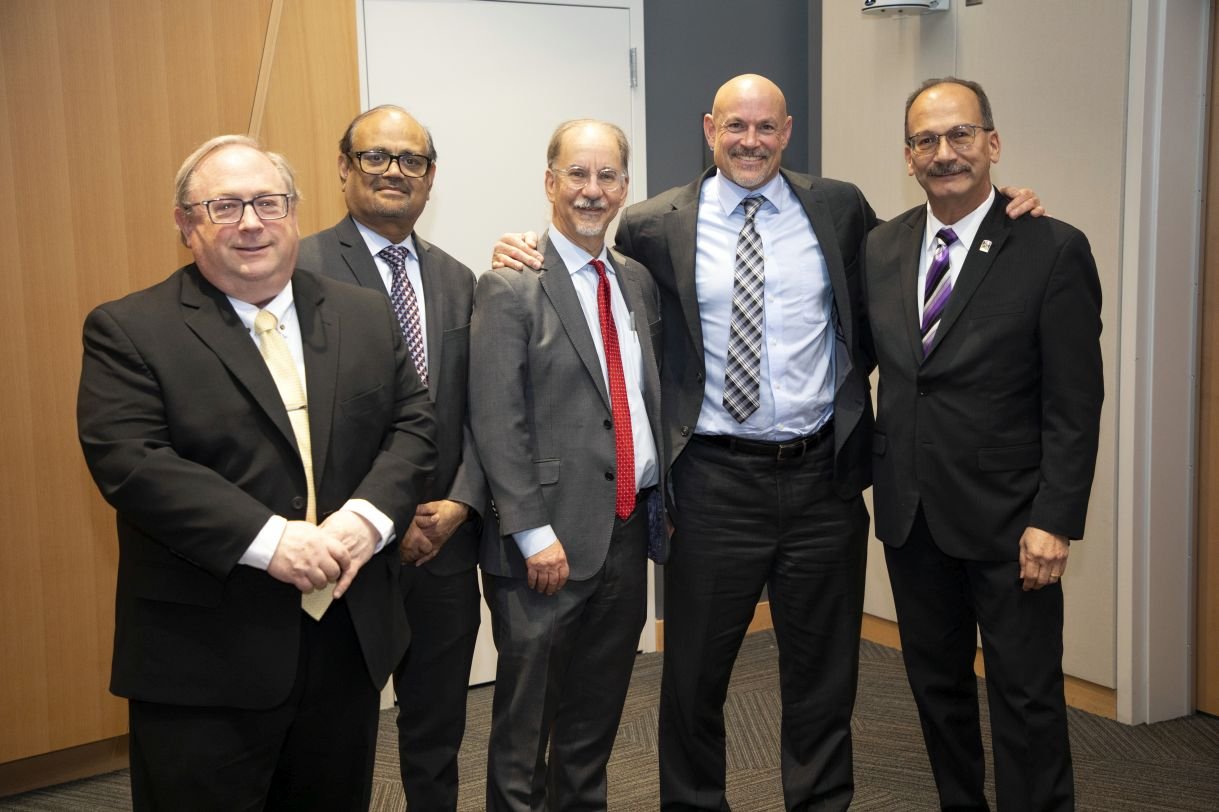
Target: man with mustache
x=565, y=407
x=387, y=163
x=768, y=434
x=986, y=333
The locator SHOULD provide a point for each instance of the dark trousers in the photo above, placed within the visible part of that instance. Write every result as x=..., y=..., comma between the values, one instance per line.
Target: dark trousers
x=432, y=683
x=745, y=522
x=941, y=603
x=564, y=666
x=315, y=751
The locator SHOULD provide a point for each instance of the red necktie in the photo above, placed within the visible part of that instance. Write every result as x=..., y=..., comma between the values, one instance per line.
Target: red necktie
x=624, y=500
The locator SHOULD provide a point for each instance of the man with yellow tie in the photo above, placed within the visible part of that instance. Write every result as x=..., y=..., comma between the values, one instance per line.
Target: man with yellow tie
x=263, y=437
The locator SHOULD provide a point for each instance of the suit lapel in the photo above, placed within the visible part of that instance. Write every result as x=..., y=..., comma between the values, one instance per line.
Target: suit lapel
x=210, y=316
x=822, y=220
x=995, y=228
x=556, y=282
x=354, y=251
x=433, y=306
x=909, y=254
x=320, y=346
x=681, y=229
x=633, y=294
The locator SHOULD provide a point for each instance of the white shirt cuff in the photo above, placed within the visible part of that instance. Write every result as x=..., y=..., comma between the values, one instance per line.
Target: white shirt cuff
x=263, y=548
x=532, y=542
x=380, y=522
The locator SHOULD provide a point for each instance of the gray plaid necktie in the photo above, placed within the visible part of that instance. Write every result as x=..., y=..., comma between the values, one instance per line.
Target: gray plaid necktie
x=742, y=373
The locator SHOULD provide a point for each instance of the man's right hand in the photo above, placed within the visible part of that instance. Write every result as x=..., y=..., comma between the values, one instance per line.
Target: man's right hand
x=307, y=557
x=516, y=251
x=415, y=548
x=548, y=569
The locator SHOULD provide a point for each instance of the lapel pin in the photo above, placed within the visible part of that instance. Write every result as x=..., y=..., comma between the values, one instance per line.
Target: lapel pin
x=984, y=247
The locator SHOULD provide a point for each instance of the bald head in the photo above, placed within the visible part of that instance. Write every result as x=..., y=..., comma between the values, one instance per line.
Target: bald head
x=748, y=129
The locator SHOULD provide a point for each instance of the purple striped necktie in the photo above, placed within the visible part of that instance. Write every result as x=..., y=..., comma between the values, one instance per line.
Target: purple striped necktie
x=938, y=287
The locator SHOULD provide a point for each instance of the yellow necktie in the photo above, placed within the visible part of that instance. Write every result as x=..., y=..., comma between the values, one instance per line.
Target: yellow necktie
x=292, y=391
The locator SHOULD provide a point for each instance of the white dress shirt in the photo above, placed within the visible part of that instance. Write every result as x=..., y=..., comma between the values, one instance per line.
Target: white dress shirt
x=584, y=278
x=263, y=547
x=796, y=390
x=376, y=243
x=966, y=230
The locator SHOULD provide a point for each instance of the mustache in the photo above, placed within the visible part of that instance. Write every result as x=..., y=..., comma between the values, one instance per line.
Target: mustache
x=589, y=204
x=940, y=170
x=749, y=152
x=390, y=184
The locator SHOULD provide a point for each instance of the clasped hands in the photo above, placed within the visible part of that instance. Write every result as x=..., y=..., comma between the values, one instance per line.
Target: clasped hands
x=432, y=526
x=310, y=556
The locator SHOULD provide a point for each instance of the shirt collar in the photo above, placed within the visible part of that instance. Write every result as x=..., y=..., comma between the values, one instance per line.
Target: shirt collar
x=573, y=256
x=730, y=194
x=376, y=243
x=967, y=226
x=277, y=307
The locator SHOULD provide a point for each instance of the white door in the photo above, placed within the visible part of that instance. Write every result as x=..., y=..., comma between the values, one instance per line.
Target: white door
x=491, y=80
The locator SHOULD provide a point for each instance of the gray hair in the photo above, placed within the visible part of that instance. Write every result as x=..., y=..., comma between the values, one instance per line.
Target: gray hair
x=186, y=172
x=556, y=140
x=988, y=119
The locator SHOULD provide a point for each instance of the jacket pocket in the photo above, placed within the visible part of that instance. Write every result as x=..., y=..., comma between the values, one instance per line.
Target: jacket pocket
x=547, y=471
x=1010, y=458
x=186, y=584
x=880, y=444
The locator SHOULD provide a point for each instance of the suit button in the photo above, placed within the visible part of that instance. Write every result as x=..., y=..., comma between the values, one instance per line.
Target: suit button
x=609, y=475
x=609, y=424
x=298, y=502
x=685, y=431
x=699, y=377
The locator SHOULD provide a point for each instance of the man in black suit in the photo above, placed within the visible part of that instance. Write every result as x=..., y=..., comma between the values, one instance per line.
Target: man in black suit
x=219, y=462
x=387, y=163
x=986, y=333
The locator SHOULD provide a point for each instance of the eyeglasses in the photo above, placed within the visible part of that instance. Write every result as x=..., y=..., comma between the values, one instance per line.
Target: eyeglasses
x=960, y=137
x=577, y=177
x=227, y=210
x=376, y=162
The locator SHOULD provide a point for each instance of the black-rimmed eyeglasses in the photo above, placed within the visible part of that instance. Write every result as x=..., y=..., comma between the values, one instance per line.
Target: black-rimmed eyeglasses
x=228, y=210
x=376, y=162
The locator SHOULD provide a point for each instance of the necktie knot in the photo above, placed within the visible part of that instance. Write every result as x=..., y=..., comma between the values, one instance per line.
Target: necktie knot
x=395, y=256
x=946, y=236
x=751, y=205
x=264, y=322
x=598, y=266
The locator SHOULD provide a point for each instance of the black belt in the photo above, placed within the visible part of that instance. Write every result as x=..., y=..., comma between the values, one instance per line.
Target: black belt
x=786, y=450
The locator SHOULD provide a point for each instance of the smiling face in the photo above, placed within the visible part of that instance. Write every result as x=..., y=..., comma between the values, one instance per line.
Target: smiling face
x=748, y=129
x=957, y=181
x=251, y=260
x=389, y=204
x=582, y=215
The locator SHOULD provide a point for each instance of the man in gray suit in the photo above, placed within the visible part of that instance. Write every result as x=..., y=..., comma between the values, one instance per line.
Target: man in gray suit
x=387, y=163
x=565, y=407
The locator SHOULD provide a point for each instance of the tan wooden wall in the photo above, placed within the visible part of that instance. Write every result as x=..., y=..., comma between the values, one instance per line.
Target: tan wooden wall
x=100, y=102
x=1207, y=588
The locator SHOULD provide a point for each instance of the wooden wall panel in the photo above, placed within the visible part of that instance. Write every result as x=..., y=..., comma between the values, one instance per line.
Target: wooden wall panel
x=100, y=103
x=1207, y=588
x=314, y=92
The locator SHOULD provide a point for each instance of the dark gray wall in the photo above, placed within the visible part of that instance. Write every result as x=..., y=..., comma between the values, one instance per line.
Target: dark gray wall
x=693, y=46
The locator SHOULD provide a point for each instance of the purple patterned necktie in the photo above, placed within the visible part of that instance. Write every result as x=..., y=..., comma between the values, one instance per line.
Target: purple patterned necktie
x=406, y=307
x=938, y=287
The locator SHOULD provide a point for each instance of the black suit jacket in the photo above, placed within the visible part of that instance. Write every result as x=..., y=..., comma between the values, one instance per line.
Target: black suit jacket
x=448, y=299
x=996, y=430
x=661, y=232
x=186, y=436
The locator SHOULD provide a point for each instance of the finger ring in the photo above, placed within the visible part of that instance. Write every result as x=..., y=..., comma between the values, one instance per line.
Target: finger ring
x=1053, y=577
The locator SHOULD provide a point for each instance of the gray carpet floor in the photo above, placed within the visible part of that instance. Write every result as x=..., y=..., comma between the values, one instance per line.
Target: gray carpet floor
x=1167, y=766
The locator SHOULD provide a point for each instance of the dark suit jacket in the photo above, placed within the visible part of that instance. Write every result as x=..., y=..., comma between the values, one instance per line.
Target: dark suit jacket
x=186, y=436
x=448, y=298
x=661, y=232
x=996, y=429
x=541, y=412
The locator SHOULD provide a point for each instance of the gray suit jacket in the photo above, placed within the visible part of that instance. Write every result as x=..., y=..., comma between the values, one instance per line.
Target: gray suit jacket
x=662, y=233
x=541, y=413
x=448, y=295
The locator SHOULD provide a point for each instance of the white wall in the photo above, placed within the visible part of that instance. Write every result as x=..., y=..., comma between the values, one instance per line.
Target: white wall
x=1056, y=74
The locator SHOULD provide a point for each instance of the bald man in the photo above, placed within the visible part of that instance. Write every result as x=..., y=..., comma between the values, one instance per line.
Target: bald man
x=768, y=425
x=386, y=165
